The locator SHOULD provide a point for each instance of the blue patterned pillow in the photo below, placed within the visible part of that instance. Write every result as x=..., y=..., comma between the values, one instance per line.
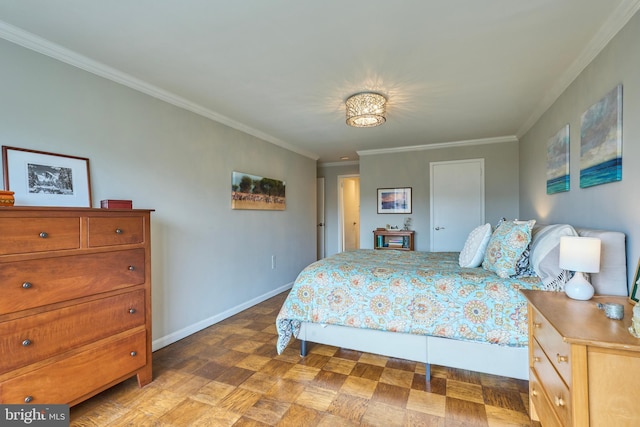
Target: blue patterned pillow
x=506, y=246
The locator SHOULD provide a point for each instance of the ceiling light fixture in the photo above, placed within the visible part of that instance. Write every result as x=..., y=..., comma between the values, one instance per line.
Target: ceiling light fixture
x=366, y=110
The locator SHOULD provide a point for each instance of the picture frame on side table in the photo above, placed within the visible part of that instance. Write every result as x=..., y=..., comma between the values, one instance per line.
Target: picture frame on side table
x=38, y=178
x=394, y=200
x=634, y=296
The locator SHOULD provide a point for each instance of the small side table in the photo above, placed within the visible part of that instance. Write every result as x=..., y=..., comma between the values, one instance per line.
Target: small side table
x=393, y=239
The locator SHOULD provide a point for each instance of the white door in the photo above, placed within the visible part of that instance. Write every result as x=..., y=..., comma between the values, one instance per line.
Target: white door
x=320, y=217
x=457, y=202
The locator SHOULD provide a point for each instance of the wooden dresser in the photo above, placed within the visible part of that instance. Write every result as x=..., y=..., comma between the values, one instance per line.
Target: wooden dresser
x=583, y=365
x=75, y=302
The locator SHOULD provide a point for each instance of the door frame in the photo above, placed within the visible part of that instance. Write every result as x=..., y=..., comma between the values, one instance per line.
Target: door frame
x=321, y=226
x=341, y=179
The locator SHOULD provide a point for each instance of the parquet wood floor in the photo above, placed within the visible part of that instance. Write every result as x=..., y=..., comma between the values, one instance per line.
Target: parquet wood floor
x=230, y=375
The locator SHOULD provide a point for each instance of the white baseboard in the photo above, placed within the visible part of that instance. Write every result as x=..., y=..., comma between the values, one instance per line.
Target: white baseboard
x=157, y=344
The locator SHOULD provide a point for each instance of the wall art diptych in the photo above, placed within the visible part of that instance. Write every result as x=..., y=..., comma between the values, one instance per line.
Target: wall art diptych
x=558, y=162
x=257, y=192
x=601, y=141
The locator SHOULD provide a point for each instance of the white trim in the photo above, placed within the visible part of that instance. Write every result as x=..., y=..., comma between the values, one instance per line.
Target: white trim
x=609, y=29
x=469, y=142
x=336, y=164
x=196, y=327
x=53, y=50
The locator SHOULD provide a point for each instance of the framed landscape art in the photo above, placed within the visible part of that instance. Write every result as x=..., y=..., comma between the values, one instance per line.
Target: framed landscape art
x=39, y=178
x=558, y=162
x=394, y=200
x=601, y=141
x=257, y=192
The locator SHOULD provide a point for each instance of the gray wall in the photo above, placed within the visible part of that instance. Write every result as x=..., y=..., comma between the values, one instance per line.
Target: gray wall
x=411, y=169
x=330, y=174
x=610, y=206
x=208, y=261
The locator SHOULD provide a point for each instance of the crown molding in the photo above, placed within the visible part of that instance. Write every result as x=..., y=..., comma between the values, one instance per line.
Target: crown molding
x=618, y=19
x=438, y=145
x=337, y=164
x=38, y=44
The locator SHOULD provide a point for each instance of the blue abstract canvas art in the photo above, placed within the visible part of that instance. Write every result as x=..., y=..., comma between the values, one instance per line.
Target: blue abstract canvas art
x=558, y=162
x=601, y=141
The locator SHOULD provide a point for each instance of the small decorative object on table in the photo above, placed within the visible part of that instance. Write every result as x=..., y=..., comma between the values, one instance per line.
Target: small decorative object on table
x=612, y=310
x=116, y=204
x=634, y=329
x=407, y=223
x=6, y=198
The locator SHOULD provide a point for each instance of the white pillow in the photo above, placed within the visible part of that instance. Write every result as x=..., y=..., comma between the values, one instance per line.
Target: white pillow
x=473, y=252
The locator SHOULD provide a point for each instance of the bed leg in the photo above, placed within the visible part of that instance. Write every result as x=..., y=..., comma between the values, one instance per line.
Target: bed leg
x=427, y=368
x=303, y=348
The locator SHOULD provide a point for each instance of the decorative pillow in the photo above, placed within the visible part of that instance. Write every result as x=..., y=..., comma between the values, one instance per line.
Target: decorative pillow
x=545, y=255
x=523, y=267
x=506, y=246
x=473, y=251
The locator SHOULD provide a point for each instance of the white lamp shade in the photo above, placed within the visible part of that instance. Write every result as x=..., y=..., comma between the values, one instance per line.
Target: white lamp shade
x=581, y=254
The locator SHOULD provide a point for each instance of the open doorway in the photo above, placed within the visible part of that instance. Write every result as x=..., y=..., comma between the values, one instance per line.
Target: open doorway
x=349, y=212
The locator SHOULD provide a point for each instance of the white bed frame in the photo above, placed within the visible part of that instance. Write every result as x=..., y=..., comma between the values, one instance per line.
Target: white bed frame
x=474, y=356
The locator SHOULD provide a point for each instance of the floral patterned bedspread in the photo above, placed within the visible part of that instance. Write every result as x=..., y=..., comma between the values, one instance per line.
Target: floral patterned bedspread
x=425, y=293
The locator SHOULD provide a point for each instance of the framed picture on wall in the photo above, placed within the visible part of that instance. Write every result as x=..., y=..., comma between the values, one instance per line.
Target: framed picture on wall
x=601, y=141
x=394, y=200
x=257, y=192
x=46, y=179
x=558, y=161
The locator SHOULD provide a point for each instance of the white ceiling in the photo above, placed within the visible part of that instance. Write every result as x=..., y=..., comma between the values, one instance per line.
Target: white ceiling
x=453, y=70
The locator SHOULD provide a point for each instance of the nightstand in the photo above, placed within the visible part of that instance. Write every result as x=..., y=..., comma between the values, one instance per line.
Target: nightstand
x=584, y=367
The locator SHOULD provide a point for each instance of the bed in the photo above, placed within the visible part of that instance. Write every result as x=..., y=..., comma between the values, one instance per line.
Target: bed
x=424, y=307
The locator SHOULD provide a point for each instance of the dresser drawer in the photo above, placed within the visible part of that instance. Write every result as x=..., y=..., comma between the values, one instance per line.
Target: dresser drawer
x=27, y=340
x=25, y=235
x=551, y=342
x=110, y=231
x=556, y=390
x=34, y=283
x=69, y=379
x=541, y=403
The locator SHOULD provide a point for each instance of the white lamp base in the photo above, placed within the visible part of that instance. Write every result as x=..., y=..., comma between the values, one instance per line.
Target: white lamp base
x=579, y=288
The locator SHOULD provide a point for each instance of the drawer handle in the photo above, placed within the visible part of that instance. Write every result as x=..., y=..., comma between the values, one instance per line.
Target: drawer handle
x=26, y=285
x=132, y=310
x=26, y=342
x=134, y=354
x=534, y=392
x=131, y=268
x=43, y=234
x=118, y=231
x=537, y=325
x=559, y=401
x=28, y=399
x=536, y=359
x=562, y=359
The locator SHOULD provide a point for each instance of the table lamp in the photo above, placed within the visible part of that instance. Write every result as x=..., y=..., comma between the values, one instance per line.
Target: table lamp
x=581, y=255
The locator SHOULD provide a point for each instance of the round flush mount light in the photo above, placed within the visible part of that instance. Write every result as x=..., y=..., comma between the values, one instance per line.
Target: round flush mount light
x=366, y=109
